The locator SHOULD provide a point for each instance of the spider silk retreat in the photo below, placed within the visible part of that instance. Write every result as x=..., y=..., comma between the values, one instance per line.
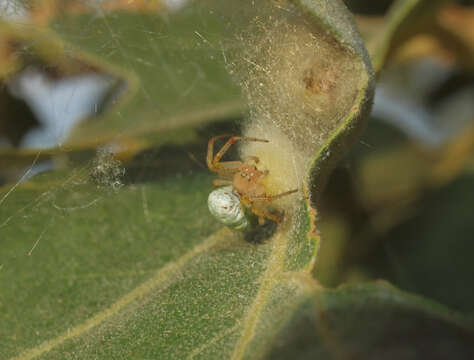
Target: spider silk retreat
x=243, y=192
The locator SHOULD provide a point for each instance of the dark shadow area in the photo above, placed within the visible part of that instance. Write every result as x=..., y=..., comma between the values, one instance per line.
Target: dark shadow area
x=455, y=83
x=431, y=254
x=364, y=7
x=168, y=160
x=16, y=117
x=259, y=234
x=369, y=329
x=177, y=160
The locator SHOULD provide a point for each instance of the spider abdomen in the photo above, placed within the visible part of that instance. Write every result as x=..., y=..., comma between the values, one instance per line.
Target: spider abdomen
x=226, y=207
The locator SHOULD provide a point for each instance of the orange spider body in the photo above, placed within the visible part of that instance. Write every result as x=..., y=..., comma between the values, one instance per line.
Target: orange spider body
x=246, y=182
x=244, y=177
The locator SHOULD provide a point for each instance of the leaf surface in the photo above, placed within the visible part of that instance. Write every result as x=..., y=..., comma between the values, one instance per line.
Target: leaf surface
x=141, y=270
x=373, y=321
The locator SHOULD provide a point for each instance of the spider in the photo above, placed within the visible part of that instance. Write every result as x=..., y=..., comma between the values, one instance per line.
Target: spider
x=243, y=188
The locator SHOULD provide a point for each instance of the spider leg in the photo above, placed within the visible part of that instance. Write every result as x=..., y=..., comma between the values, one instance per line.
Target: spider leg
x=227, y=169
x=221, y=182
x=210, y=151
x=255, y=159
x=273, y=197
x=263, y=214
x=229, y=165
x=213, y=162
x=264, y=173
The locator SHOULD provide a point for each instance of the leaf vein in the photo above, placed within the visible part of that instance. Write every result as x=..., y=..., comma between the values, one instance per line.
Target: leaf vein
x=139, y=292
x=269, y=278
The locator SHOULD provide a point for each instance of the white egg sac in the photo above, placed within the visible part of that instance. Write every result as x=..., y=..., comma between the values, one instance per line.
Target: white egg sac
x=225, y=205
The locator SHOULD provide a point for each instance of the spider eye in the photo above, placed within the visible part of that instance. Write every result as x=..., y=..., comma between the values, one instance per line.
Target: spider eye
x=243, y=174
x=251, y=174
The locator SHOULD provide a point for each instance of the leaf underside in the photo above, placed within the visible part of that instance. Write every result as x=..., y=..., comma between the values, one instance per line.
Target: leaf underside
x=90, y=270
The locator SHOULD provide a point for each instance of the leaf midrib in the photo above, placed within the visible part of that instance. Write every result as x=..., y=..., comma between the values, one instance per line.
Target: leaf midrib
x=160, y=278
x=272, y=274
x=270, y=277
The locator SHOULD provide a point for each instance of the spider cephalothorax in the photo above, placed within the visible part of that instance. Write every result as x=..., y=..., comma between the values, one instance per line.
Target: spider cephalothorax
x=243, y=186
x=246, y=181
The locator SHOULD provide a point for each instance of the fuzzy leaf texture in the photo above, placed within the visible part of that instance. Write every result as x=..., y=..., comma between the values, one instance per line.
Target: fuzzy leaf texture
x=94, y=265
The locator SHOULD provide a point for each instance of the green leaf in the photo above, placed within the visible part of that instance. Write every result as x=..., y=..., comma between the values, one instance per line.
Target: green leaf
x=166, y=77
x=139, y=271
x=350, y=104
x=309, y=86
x=70, y=248
x=439, y=237
x=405, y=18
x=79, y=260
x=173, y=65
x=374, y=321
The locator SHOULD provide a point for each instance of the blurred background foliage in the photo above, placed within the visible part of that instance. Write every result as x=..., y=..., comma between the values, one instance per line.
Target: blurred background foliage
x=400, y=206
